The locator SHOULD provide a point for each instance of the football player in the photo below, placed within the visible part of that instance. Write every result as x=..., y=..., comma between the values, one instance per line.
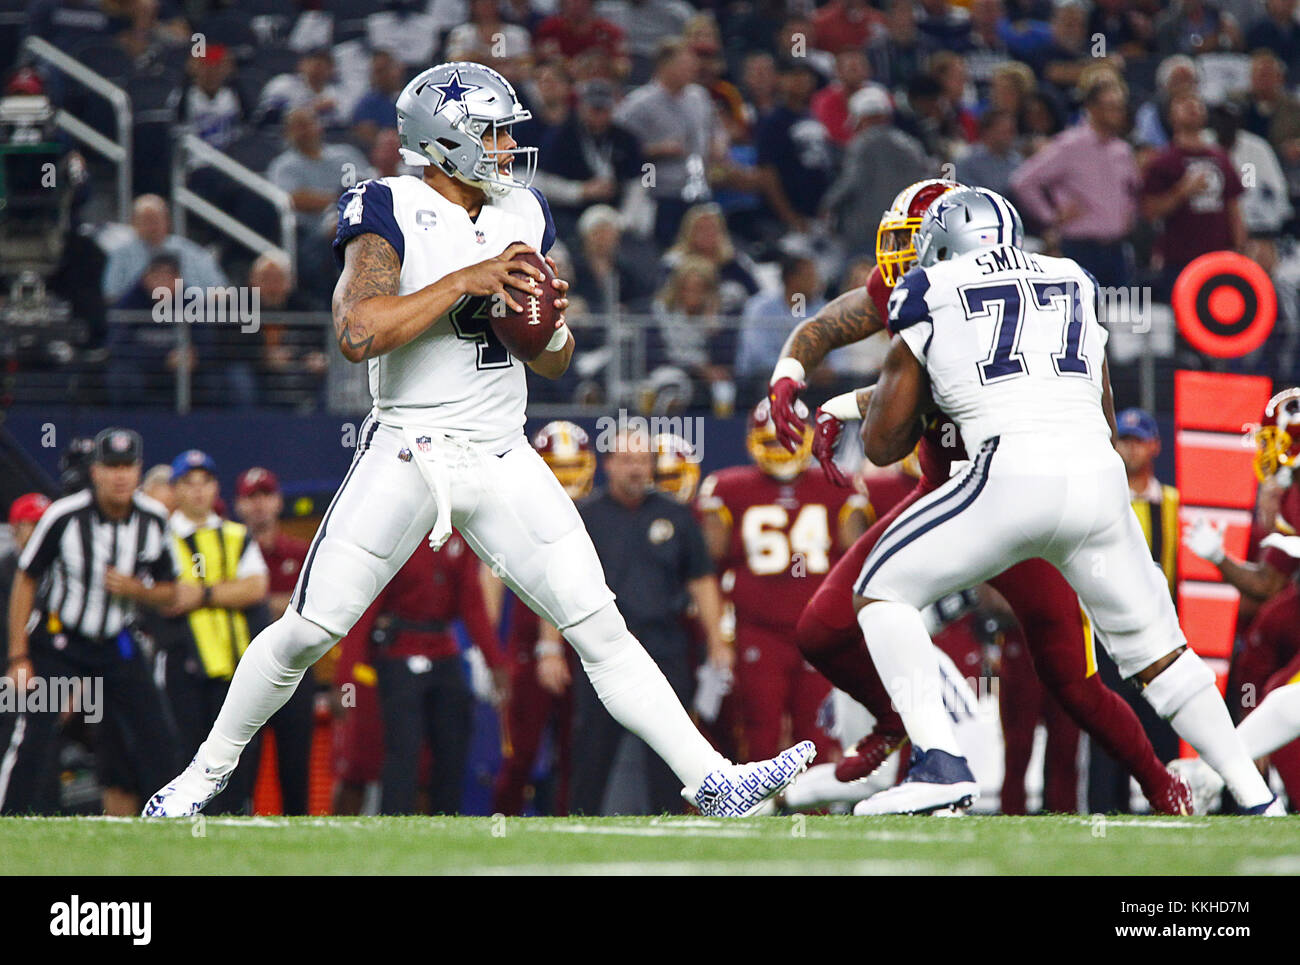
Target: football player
x=1008, y=345
x=541, y=669
x=1048, y=611
x=426, y=262
x=677, y=467
x=777, y=530
x=1270, y=661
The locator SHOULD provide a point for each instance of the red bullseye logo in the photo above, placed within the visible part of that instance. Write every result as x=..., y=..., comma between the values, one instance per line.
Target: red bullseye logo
x=1225, y=304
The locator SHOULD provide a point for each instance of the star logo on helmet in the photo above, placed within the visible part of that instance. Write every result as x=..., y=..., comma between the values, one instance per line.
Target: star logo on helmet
x=453, y=91
x=941, y=213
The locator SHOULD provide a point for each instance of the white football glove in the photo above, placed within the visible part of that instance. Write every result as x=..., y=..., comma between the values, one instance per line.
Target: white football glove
x=1205, y=539
x=480, y=677
x=1290, y=545
x=713, y=683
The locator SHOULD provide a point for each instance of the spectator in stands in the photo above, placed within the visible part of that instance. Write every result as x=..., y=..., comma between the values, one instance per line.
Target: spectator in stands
x=411, y=29
x=690, y=346
x=946, y=26
x=1271, y=111
x=588, y=159
x=675, y=119
x=881, y=160
x=1125, y=30
x=898, y=53
x=386, y=156
x=1277, y=31
x=575, y=29
x=549, y=96
x=1191, y=189
x=151, y=221
x=211, y=101
x=830, y=105
x=1010, y=89
x=1265, y=205
x=645, y=25
x=759, y=84
x=991, y=162
x=703, y=37
x=376, y=109
x=143, y=356
x=1064, y=58
x=795, y=155
x=924, y=115
x=489, y=40
x=608, y=269
x=293, y=364
x=770, y=316
x=1195, y=27
x=145, y=40
x=1175, y=76
x=312, y=88
x=1081, y=188
x=986, y=45
x=953, y=75
x=313, y=172
x=704, y=234
x=845, y=25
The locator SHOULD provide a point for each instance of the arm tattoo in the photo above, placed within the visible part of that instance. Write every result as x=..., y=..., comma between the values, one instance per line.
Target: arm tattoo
x=370, y=268
x=848, y=319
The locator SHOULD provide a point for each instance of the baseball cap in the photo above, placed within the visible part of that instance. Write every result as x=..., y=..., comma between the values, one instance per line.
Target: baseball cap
x=256, y=480
x=871, y=100
x=28, y=508
x=118, y=447
x=192, y=459
x=1137, y=424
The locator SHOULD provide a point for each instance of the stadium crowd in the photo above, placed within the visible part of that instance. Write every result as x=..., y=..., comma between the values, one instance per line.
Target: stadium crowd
x=717, y=168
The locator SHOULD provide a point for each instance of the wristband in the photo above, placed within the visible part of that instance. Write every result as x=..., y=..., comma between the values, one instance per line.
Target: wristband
x=207, y=596
x=788, y=368
x=548, y=648
x=559, y=339
x=843, y=407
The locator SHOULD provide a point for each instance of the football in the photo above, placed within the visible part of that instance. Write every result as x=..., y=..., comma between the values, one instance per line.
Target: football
x=525, y=334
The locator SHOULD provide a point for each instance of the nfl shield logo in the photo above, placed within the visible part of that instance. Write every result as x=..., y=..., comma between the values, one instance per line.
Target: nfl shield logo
x=480, y=237
x=424, y=443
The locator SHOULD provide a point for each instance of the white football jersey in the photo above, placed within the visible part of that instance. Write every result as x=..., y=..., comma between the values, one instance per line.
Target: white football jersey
x=1011, y=343
x=456, y=375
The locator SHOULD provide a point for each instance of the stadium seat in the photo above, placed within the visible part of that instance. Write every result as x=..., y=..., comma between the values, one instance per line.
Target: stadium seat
x=230, y=28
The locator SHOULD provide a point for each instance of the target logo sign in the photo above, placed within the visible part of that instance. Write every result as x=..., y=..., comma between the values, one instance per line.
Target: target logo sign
x=1225, y=304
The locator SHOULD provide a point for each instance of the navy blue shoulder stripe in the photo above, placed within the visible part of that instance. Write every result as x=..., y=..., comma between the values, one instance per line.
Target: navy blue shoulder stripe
x=907, y=304
x=548, y=233
x=367, y=208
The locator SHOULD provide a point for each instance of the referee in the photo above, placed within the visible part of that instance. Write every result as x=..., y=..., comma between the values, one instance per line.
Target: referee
x=94, y=557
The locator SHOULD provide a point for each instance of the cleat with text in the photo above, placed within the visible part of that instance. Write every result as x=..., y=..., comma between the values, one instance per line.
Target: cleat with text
x=189, y=793
x=743, y=790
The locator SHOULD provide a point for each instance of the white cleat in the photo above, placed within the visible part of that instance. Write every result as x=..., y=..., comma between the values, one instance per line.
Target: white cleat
x=937, y=783
x=1206, y=785
x=745, y=790
x=189, y=793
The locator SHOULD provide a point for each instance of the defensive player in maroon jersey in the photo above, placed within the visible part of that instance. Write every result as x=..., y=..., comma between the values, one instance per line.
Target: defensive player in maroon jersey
x=777, y=529
x=403, y=642
x=1266, y=672
x=1043, y=602
x=541, y=666
x=677, y=467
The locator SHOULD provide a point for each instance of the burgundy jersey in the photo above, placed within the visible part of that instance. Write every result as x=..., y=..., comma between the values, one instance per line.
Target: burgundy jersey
x=1288, y=522
x=524, y=630
x=284, y=560
x=1201, y=223
x=430, y=591
x=941, y=443
x=784, y=538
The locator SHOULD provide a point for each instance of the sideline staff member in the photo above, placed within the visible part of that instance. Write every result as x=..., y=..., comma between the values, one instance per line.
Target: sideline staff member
x=94, y=557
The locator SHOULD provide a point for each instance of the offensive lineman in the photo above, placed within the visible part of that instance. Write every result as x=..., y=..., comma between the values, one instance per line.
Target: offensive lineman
x=444, y=445
x=1048, y=611
x=1008, y=344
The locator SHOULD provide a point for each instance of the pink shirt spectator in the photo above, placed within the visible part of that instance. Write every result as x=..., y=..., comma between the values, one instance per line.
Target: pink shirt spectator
x=830, y=105
x=1077, y=168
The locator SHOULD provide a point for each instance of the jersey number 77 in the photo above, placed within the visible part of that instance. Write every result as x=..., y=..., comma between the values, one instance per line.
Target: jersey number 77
x=1045, y=302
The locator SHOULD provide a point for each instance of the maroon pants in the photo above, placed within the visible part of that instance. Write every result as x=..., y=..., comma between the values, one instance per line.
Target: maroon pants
x=775, y=684
x=530, y=709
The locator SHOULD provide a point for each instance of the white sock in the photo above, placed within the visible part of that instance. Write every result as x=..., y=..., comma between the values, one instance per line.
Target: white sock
x=1185, y=694
x=266, y=677
x=637, y=694
x=909, y=667
x=1274, y=723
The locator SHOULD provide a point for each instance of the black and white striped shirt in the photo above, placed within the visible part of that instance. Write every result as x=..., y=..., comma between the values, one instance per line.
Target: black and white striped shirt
x=74, y=544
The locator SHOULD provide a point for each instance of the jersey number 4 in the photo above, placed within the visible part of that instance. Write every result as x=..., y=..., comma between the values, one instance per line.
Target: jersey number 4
x=471, y=317
x=1005, y=302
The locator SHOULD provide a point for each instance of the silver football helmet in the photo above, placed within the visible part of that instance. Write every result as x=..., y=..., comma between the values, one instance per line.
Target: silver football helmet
x=449, y=114
x=963, y=220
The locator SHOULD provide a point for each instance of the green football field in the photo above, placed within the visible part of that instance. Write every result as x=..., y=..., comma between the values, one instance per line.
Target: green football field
x=678, y=845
